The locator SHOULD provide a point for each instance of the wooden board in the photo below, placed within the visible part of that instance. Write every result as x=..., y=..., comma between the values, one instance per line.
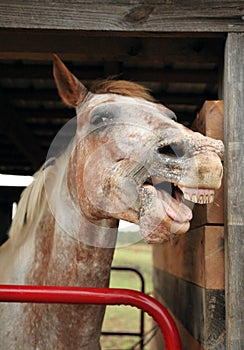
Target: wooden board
x=136, y=16
x=201, y=311
x=187, y=340
x=197, y=257
x=210, y=213
x=210, y=122
x=234, y=180
x=84, y=47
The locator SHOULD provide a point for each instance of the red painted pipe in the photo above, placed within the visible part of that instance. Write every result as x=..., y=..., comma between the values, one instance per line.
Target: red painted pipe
x=105, y=296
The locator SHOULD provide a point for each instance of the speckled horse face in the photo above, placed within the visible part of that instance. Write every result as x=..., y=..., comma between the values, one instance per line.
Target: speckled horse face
x=133, y=161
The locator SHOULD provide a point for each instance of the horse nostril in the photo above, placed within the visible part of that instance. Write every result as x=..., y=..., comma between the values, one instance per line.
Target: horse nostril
x=172, y=150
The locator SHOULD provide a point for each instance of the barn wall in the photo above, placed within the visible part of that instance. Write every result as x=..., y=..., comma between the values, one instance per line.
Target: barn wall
x=189, y=272
x=127, y=16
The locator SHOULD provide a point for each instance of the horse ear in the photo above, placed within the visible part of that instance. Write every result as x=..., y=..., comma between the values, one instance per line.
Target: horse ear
x=70, y=89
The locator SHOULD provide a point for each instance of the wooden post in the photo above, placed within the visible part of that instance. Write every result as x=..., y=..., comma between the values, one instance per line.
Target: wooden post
x=234, y=190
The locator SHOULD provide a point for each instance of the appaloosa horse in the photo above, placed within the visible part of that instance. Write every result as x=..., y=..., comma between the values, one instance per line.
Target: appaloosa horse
x=129, y=160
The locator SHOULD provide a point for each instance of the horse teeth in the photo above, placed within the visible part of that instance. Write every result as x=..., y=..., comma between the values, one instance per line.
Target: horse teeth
x=201, y=199
x=200, y=196
x=187, y=197
x=211, y=199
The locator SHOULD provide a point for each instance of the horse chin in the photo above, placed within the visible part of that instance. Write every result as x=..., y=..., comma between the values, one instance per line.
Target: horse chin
x=161, y=234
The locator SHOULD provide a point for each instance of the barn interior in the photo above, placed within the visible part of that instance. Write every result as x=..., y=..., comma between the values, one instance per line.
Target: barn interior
x=181, y=70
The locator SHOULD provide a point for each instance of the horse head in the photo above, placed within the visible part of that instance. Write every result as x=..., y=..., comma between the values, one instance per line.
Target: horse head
x=133, y=161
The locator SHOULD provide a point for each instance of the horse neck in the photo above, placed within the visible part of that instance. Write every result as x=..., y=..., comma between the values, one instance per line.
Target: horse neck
x=69, y=249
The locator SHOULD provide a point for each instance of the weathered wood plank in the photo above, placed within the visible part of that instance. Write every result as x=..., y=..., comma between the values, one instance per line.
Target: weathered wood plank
x=74, y=46
x=201, y=311
x=210, y=122
x=18, y=70
x=50, y=94
x=156, y=16
x=187, y=340
x=197, y=257
x=234, y=194
x=211, y=213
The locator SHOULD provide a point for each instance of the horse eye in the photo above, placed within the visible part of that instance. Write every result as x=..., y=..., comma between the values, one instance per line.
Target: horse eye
x=103, y=119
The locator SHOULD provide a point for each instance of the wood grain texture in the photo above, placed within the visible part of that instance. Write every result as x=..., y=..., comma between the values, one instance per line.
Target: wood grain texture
x=136, y=16
x=39, y=44
x=210, y=122
x=210, y=213
x=201, y=311
x=234, y=197
x=197, y=257
x=187, y=340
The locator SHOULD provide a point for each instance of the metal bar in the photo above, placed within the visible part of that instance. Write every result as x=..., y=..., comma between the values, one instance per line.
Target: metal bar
x=105, y=296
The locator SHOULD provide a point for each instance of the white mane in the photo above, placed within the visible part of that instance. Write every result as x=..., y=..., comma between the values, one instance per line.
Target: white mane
x=32, y=201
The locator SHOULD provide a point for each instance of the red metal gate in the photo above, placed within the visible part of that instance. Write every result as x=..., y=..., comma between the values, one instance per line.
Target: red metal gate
x=105, y=296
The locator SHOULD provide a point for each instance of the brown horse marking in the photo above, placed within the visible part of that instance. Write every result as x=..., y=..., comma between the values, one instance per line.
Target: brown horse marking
x=128, y=160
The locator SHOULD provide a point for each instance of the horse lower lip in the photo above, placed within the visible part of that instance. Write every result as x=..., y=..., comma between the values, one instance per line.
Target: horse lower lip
x=175, y=209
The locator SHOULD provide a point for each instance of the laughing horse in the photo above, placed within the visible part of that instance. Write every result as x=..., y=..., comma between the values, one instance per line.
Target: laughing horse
x=129, y=160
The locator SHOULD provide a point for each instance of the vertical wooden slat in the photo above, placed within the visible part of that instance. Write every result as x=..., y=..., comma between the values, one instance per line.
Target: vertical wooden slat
x=234, y=190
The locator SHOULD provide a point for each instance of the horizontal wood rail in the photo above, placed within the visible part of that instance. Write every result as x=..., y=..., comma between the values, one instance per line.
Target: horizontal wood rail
x=105, y=296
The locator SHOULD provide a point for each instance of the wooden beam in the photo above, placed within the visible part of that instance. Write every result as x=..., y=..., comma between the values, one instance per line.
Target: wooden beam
x=18, y=70
x=40, y=45
x=44, y=95
x=125, y=16
x=85, y=72
x=234, y=191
